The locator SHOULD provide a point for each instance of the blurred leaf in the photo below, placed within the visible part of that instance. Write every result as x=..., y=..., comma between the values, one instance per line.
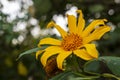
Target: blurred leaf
x=30, y=51
x=92, y=67
x=62, y=76
x=42, y=7
x=8, y=62
x=22, y=70
x=113, y=63
x=116, y=18
x=96, y=8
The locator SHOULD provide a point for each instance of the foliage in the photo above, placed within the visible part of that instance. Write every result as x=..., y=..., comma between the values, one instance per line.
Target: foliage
x=106, y=67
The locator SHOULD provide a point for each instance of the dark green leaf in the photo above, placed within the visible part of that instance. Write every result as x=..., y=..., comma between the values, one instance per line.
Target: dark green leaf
x=62, y=76
x=68, y=75
x=92, y=67
x=30, y=51
x=113, y=64
x=85, y=78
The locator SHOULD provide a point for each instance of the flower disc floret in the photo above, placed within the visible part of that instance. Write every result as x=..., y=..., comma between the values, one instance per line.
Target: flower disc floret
x=71, y=42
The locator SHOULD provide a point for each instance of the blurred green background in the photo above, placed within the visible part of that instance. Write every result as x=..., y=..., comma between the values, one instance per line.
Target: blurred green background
x=22, y=29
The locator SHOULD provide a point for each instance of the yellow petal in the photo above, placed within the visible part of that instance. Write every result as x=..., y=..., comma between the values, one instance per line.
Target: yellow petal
x=101, y=31
x=97, y=34
x=90, y=27
x=61, y=57
x=50, y=51
x=91, y=50
x=62, y=32
x=81, y=22
x=83, y=54
x=50, y=41
x=38, y=53
x=72, y=24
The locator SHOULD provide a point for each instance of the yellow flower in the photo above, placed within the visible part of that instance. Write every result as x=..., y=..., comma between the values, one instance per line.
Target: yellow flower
x=76, y=41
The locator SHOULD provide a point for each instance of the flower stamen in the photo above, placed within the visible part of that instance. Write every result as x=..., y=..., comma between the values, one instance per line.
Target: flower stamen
x=71, y=42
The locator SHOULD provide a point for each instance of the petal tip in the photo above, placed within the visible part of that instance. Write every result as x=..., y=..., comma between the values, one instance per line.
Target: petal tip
x=38, y=53
x=105, y=20
x=67, y=15
x=109, y=28
x=39, y=44
x=79, y=11
x=50, y=24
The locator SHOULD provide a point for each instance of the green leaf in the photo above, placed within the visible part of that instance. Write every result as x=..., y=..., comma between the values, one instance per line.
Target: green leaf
x=81, y=76
x=29, y=52
x=92, y=67
x=113, y=64
x=86, y=78
x=62, y=76
x=69, y=75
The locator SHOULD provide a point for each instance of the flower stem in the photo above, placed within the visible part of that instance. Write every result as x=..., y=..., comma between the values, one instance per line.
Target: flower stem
x=75, y=65
x=110, y=76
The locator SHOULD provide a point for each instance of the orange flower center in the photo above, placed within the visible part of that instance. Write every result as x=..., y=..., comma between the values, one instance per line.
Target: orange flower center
x=71, y=42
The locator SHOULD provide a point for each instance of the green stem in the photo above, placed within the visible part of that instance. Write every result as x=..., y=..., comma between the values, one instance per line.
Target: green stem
x=79, y=74
x=75, y=65
x=110, y=76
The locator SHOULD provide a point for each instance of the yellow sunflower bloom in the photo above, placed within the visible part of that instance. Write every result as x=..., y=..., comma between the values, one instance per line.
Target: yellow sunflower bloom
x=76, y=41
